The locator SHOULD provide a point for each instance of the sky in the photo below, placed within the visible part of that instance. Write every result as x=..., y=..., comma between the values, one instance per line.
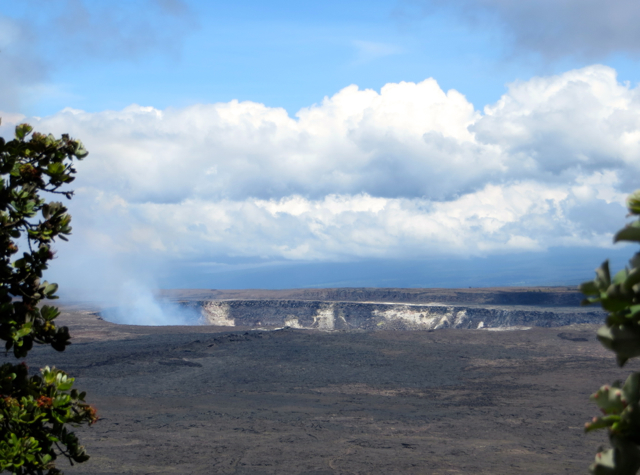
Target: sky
x=387, y=143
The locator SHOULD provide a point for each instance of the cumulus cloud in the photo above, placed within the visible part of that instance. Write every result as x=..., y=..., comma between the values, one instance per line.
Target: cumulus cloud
x=404, y=141
x=591, y=29
x=409, y=171
x=524, y=216
x=553, y=127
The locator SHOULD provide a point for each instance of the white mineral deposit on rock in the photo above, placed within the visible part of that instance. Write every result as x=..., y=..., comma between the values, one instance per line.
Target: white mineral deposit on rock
x=423, y=317
x=292, y=322
x=217, y=314
x=412, y=316
x=461, y=319
x=445, y=320
x=345, y=315
x=325, y=319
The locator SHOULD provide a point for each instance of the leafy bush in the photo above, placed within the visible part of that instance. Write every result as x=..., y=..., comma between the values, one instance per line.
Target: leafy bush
x=35, y=411
x=620, y=403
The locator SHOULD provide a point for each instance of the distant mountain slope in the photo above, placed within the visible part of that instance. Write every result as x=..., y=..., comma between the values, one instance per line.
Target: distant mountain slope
x=531, y=296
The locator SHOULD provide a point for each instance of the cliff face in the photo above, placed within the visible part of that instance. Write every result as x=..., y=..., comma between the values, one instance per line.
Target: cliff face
x=538, y=296
x=323, y=315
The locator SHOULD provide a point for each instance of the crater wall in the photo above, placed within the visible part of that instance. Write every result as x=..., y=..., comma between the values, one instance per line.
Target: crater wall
x=323, y=315
x=532, y=296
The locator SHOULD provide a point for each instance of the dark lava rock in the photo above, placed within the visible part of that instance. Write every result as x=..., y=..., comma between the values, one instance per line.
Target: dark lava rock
x=201, y=400
x=572, y=337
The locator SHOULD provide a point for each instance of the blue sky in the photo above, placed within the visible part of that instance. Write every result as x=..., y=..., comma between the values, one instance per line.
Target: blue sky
x=282, y=144
x=282, y=54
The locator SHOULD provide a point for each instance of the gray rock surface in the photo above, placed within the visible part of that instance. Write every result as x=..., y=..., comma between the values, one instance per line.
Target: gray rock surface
x=205, y=399
x=237, y=399
x=319, y=315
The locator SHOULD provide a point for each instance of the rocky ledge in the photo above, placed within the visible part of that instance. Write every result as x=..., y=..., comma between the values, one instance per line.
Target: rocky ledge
x=328, y=316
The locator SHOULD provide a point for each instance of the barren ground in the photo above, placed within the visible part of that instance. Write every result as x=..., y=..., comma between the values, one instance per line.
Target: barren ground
x=208, y=400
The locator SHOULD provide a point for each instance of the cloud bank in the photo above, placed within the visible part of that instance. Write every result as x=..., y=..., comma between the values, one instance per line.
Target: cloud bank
x=411, y=171
x=590, y=29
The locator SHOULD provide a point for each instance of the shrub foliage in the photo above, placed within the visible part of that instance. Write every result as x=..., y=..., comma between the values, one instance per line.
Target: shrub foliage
x=619, y=403
x=35, y=411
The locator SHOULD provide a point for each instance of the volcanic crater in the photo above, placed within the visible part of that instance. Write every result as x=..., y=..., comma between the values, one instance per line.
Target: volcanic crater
x=342, y=381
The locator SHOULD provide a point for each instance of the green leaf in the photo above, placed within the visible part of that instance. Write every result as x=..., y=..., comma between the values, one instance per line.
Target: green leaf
x=603, y=276
x=24, y=331
x=598, y=423
x=56, y=168
x=632, y=279
x=620, y=276
x=50, y=289
x=80, y=151
x=633, y=202
x=628, y=233
x=49, y=313
x=613, y=303
x=589, y=288
x=622, y=459
x=624, y=341
x=631, y=388
x=15, y=170
x=23, y=130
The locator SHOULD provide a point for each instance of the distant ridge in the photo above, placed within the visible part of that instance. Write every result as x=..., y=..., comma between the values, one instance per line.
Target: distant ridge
x=534, y=296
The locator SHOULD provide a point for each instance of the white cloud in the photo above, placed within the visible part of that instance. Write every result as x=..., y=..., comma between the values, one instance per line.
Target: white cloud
x=403, y=141
x=410, y=171
x=554, y=127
